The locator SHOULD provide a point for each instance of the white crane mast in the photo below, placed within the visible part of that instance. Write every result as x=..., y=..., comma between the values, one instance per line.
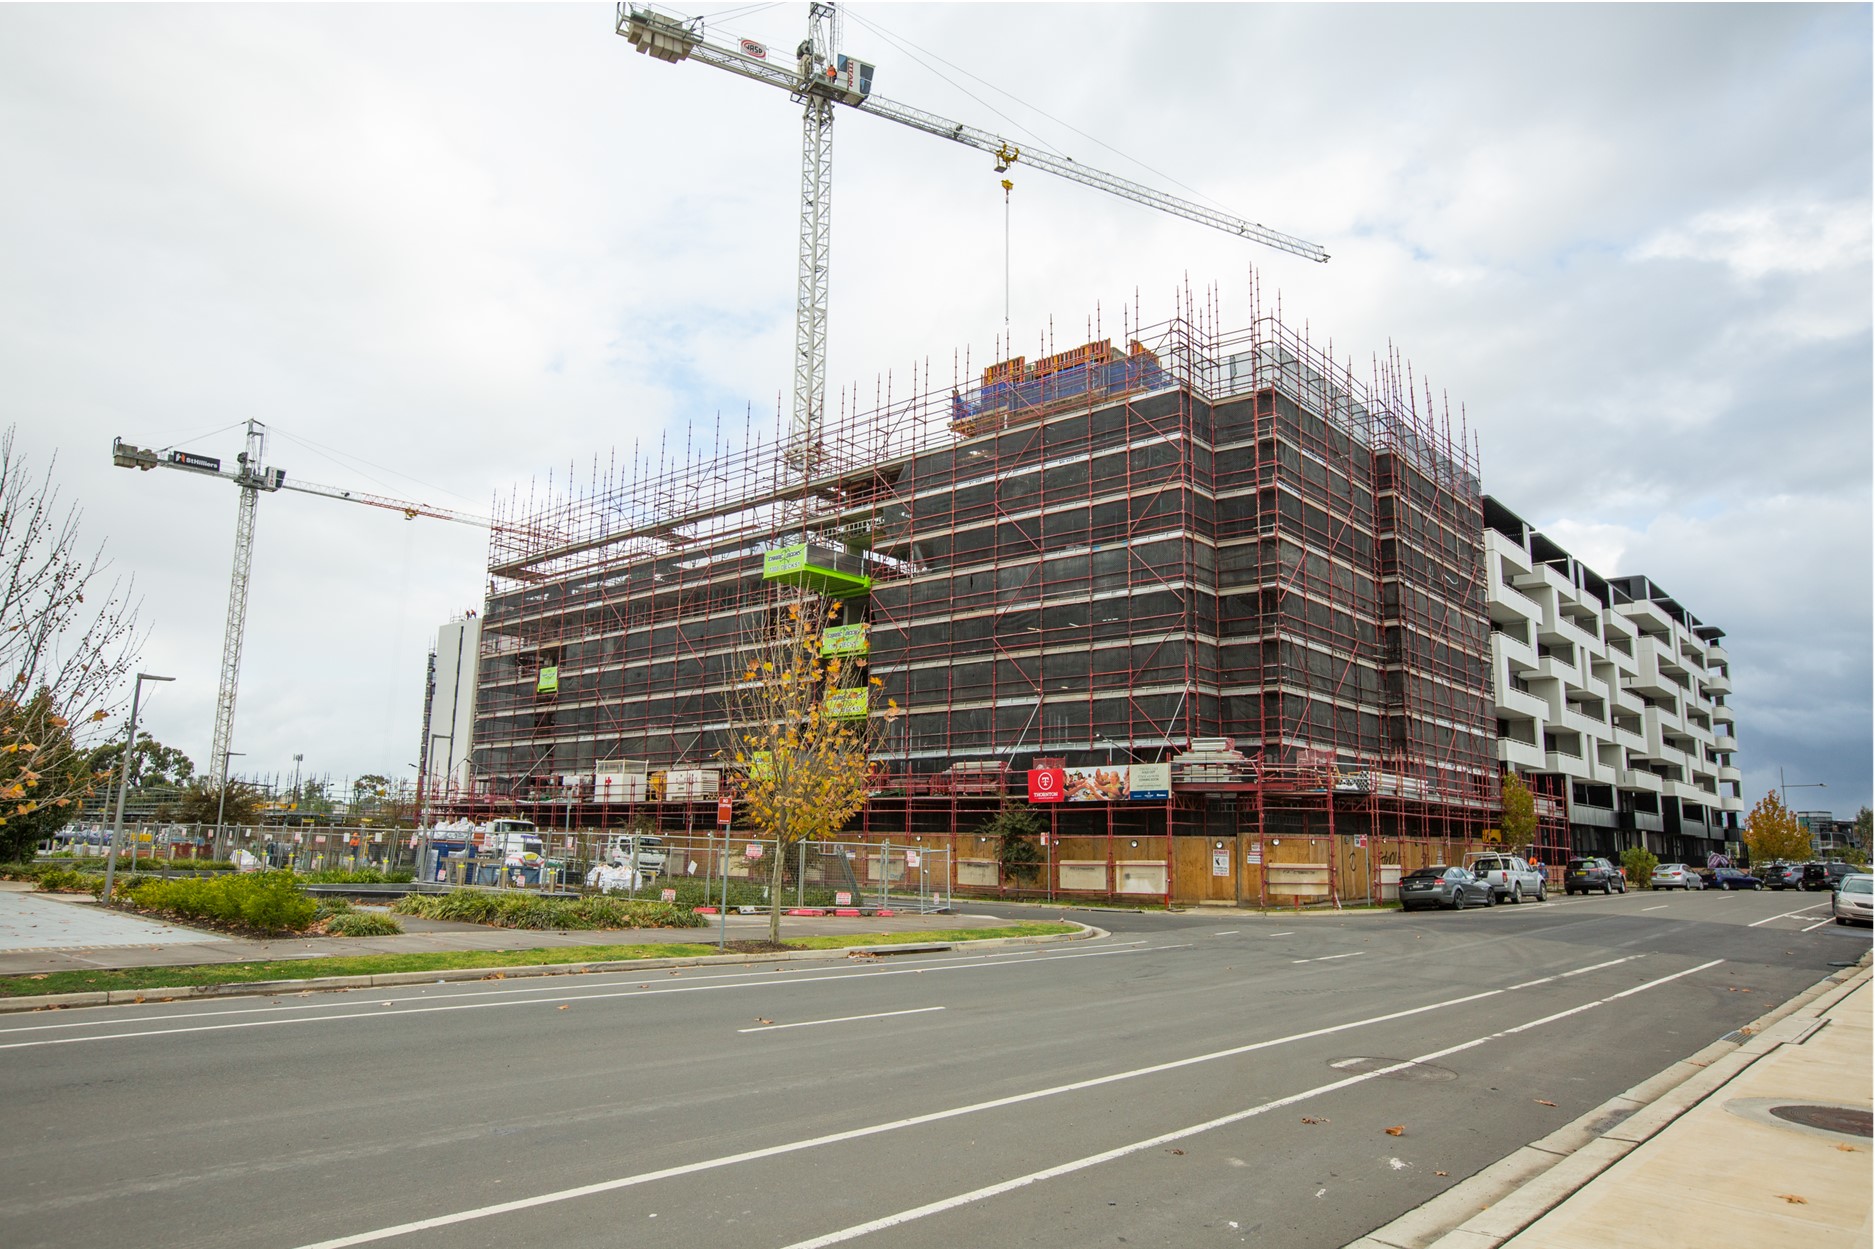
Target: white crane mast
x=821, y=76
x=251, y=478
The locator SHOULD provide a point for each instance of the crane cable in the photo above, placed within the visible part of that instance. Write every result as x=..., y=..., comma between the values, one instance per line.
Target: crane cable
x=1008, y=347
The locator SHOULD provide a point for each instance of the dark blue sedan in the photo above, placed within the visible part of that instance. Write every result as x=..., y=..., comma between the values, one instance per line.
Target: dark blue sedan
x=1732, y=878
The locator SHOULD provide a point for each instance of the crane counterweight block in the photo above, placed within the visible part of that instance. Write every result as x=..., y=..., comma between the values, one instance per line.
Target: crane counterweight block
x=657, y=36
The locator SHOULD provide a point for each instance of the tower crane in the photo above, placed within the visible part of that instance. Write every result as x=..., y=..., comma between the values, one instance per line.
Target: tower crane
x=820, y=76
x=252, y=480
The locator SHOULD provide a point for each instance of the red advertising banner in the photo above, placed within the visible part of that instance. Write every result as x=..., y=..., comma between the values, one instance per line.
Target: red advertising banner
x=1046, y=784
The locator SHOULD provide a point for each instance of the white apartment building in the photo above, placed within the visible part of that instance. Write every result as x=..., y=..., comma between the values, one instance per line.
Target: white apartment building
x=1612, y=701
x=449, y=707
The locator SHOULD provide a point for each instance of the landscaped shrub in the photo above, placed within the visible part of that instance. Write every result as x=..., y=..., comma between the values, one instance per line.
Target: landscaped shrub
x=268, y=902
x=359, y=876
x=520, y=910
x=1640, y=864
x=363, y=924
x=63, y=880
x=692, y=891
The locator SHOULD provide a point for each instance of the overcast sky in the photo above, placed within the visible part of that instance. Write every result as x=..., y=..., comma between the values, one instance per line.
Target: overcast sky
x=442, y=250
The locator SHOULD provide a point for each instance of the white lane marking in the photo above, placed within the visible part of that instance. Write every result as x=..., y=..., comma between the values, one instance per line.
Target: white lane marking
x=1327, y=958
x=935, y=1116
x=1819, y=923
x=1279, y=934
x=1580, y=971
x=1093, y=1160
x=379, y=1013
x=815, y=1023
x=1786, y=915
x=1661, y=907
x=1233, y=932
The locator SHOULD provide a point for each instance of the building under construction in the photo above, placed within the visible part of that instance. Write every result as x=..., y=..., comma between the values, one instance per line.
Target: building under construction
x=1177, y=545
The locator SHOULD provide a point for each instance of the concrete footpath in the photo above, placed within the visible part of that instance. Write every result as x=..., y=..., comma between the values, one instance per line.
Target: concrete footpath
x=1761, y=1139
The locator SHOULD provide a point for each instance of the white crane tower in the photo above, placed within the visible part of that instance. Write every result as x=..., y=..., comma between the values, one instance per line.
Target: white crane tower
x=252, y=479
x=821, y=76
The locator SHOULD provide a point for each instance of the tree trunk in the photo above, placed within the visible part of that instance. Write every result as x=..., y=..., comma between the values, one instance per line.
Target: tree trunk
x=774, y=894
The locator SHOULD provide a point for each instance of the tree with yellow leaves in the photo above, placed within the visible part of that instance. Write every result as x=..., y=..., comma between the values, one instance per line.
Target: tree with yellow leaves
x=68, y=640
x=804, y=731
x=1772, y=832
x=1517, y=821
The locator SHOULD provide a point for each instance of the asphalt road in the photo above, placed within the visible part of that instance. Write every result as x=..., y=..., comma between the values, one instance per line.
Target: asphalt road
x=1192, y=1079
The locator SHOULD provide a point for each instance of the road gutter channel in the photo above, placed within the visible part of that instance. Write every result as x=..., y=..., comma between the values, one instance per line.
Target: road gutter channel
x=1505, y=1198
x=277, y=988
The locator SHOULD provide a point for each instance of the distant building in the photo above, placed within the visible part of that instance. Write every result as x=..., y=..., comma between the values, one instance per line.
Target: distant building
x=1828, y=835
x=1611, y=700
x=449, y=707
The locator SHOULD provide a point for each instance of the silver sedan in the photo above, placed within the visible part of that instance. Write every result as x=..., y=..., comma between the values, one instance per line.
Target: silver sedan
x=1439, y=885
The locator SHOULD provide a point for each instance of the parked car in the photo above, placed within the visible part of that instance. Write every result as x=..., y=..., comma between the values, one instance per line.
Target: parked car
x=1784, y=876
x=1675, y=876
x=1854, y=902
x=1453, y=887
x=1819, y=876
x=1590, y=875
x=1510, y=877
x=1732, y=878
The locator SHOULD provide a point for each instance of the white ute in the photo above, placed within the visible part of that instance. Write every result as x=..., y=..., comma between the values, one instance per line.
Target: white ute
x=1511, y=878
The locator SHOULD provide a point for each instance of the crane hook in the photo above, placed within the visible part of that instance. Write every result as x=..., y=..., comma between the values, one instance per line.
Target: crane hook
x=1005, y=157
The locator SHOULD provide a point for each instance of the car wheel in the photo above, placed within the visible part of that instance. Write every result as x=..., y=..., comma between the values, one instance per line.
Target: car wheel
x=1624, y=886
x=1458, y=900
x=1542, y=893
x=1607, y=889
x=1516, y=894
x=1490, y=897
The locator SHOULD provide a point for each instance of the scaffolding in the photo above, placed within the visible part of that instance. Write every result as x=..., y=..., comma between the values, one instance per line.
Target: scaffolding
x=1201, y=543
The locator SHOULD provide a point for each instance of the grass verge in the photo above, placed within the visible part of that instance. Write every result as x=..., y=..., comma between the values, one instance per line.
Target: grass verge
x=456, y=960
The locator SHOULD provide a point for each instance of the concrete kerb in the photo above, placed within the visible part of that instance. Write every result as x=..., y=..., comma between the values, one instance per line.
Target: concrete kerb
x=272, y=988
x=1508, y=1196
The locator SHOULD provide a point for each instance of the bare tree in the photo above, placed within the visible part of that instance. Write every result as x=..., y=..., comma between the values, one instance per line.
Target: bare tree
x=68, y=639
x=805, y=729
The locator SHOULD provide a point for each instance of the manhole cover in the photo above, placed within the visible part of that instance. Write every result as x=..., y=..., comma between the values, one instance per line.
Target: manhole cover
x=1407, y=1070
x=1830, y=1118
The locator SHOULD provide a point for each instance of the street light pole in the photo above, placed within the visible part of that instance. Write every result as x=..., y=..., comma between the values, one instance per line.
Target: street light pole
x=1784, y=797
x=123, y=782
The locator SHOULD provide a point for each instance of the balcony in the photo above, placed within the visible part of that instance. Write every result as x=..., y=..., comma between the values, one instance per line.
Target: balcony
x=1639, y=778
x=1730, y=773
x=1518, y=754
x=1717, y=683
x=1716, y=654
x=1507, y=648
x=1724, y=743
x=1728, y=802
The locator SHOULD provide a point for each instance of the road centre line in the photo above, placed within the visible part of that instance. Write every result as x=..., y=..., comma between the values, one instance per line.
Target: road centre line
x=1327, y=958
x=1233, y=932
x=1014, y=1099
x=1093, y=1160
x=381, y=1013
x=815, y=1023
x=1661, y=907
x=1786, y=915
x=1279, y=934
